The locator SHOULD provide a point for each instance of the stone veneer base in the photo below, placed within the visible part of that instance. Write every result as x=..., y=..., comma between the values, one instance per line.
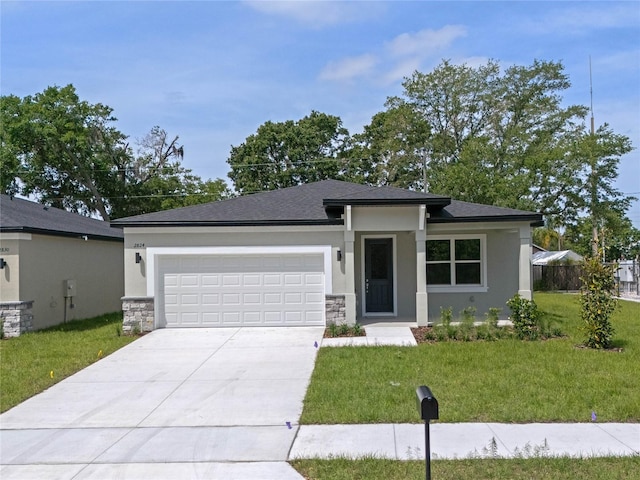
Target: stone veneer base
x=16, y=318
x=138, y=314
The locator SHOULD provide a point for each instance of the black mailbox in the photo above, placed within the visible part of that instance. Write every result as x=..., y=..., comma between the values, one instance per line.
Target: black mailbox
x=427, y=404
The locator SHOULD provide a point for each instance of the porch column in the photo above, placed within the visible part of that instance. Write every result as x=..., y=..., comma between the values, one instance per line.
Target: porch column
x=349, y=270
x=422, y=299
x=524, y=276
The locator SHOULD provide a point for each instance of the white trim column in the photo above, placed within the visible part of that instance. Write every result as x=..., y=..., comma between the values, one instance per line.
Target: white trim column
x=422, y=299
x=525, y=273
x=349, y=270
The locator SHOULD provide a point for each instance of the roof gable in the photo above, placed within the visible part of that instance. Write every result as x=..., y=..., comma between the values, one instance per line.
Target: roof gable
x=20, y=215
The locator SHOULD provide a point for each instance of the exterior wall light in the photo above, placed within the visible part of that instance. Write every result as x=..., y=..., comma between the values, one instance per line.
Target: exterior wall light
x=339, y=255
x=138, y=257
x=2, y=263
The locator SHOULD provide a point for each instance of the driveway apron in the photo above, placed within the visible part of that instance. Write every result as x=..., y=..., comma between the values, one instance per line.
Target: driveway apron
x=198, y=399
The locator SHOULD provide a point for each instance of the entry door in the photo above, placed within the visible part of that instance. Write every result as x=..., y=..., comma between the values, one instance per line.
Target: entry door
x=378, y=275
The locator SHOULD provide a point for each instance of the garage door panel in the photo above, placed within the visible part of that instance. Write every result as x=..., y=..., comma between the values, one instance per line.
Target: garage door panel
x=273, y=279
x=230, y=299
x=240, y=290
x=252, y=280
x=232, y=280
x=211, y=299
x=210, y=319
x=293, y=298
x=231, y=318
x=210, y=280
x=252, y=298
x=273, y=299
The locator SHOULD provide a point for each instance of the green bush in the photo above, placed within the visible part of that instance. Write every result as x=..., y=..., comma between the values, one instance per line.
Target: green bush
x=597, y=303
x=525, y=317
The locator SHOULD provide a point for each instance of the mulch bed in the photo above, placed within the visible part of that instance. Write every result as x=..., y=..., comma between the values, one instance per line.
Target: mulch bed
x=338, y=333
x=420, y=334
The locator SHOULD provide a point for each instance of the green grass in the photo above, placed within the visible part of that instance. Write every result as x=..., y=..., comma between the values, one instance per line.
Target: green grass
x=509, y=380
x=498, y=469
x=26, y=362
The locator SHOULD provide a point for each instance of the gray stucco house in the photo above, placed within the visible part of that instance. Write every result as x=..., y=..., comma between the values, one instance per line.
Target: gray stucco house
x=323, y=252
x=55, y=266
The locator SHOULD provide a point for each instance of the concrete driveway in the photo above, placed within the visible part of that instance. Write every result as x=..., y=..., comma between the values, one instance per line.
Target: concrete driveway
x=181, y=403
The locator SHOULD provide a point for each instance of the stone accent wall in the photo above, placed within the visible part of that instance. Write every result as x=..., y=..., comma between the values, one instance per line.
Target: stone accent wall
x=335, y=309
x=138, y=314
x=16, y=318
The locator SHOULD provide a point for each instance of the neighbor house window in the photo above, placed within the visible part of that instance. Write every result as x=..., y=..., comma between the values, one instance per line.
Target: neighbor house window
x=455, y=262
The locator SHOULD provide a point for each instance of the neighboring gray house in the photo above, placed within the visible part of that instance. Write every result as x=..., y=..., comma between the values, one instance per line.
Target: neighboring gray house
x=55, y=266
x=323, y=252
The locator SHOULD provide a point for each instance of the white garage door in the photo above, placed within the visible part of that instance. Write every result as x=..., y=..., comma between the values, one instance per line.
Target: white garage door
x=242, y=290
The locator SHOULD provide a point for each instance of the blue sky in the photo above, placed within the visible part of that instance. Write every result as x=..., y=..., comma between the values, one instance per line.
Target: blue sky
x=213, y=72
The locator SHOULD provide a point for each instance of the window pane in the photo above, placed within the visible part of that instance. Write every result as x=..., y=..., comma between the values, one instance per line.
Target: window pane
x=439, y=274
x=438, y=250
x=467, y=273
x=379, y=261
x=468, y=249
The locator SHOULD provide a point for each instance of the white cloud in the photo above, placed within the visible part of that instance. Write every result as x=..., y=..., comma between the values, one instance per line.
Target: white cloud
x=629, y=60
x=586, y=18
x=316, y=13
x=425, y=42
x=349, y=68
x=402, y=69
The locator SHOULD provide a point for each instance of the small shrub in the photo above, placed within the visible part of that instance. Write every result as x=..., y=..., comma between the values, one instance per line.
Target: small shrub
x=333, y=329
x=357, y=329
x=597, y=303
x=466, y=331
x=344, y=329
x=492, y=317
x=525, y=317
x=446, y=315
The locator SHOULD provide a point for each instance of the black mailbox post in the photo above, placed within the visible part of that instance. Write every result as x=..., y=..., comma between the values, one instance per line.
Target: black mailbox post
x=428, y=408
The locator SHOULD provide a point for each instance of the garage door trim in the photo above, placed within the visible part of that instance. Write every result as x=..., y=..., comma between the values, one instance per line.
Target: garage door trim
x=154, y=254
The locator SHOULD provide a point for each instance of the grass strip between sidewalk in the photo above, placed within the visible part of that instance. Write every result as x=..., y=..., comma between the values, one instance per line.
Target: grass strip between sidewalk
x=556, y=468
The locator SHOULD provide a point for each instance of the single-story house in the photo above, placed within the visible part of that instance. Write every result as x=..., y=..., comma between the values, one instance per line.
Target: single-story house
x=328, y=251
x=55, y=266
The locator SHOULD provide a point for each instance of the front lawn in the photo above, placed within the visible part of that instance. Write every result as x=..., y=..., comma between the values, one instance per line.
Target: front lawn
x=538, y=468
x=34, y=361
x=486, y=381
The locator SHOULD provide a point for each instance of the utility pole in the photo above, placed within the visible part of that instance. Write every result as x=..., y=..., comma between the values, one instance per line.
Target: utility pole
x=593, y=179
x=424, y=171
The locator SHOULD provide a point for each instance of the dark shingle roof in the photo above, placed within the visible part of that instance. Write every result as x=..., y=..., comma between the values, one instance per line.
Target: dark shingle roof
x=459, y=211
x=318, y=203
x=19, y=215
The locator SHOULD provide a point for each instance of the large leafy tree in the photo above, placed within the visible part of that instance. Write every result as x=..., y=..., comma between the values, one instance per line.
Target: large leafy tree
x=500, y=137
x=391, y=150
x=68, y=153
x=289, y=153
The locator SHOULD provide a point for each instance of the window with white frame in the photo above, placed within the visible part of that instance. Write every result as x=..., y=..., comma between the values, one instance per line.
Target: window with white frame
x=457, y=261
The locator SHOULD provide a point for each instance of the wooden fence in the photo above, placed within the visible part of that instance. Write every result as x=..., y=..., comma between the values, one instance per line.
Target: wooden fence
x=557, y=277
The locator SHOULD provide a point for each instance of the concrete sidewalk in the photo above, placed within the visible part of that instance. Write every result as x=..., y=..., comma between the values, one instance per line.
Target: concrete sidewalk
x=468, y=440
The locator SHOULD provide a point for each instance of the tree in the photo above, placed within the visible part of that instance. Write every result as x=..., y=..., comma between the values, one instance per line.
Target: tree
x=289, y=153
x=68, y=153
x=63, y=148
x=500, y=138
x=604, y=205
x=391, y=150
